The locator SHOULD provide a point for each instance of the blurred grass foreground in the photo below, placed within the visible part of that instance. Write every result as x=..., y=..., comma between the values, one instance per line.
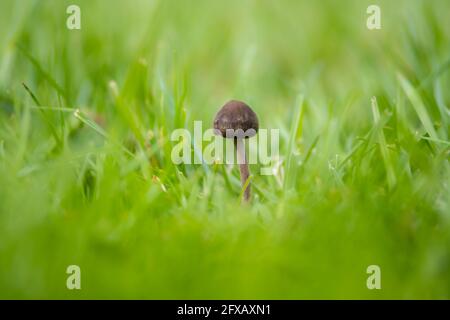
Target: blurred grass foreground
x=362, y=177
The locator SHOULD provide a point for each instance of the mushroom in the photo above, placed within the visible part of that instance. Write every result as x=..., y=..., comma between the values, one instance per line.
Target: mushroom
x=238, y=121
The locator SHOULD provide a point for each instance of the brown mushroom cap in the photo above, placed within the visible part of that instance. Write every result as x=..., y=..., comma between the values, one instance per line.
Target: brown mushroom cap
x=238, y=116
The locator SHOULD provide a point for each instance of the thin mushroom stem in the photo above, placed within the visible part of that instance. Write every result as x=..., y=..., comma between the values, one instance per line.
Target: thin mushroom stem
x=243, y=166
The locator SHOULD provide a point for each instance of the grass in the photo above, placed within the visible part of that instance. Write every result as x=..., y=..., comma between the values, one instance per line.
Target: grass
x=86, y=176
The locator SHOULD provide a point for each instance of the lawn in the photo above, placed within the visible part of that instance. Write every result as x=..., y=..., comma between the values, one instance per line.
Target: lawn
x=362, y=176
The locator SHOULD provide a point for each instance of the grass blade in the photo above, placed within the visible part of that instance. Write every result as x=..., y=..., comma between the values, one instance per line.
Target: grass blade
x=418, y=106
x=293, y=135
x=383, y=145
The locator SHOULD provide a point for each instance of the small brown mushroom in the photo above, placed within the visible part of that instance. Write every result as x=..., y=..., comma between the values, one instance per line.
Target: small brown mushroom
x=238, y=121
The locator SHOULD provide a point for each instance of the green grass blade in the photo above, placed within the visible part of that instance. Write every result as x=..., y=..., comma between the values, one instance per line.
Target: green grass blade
x=291, y=168
x=418, y=106
x=383, y=145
